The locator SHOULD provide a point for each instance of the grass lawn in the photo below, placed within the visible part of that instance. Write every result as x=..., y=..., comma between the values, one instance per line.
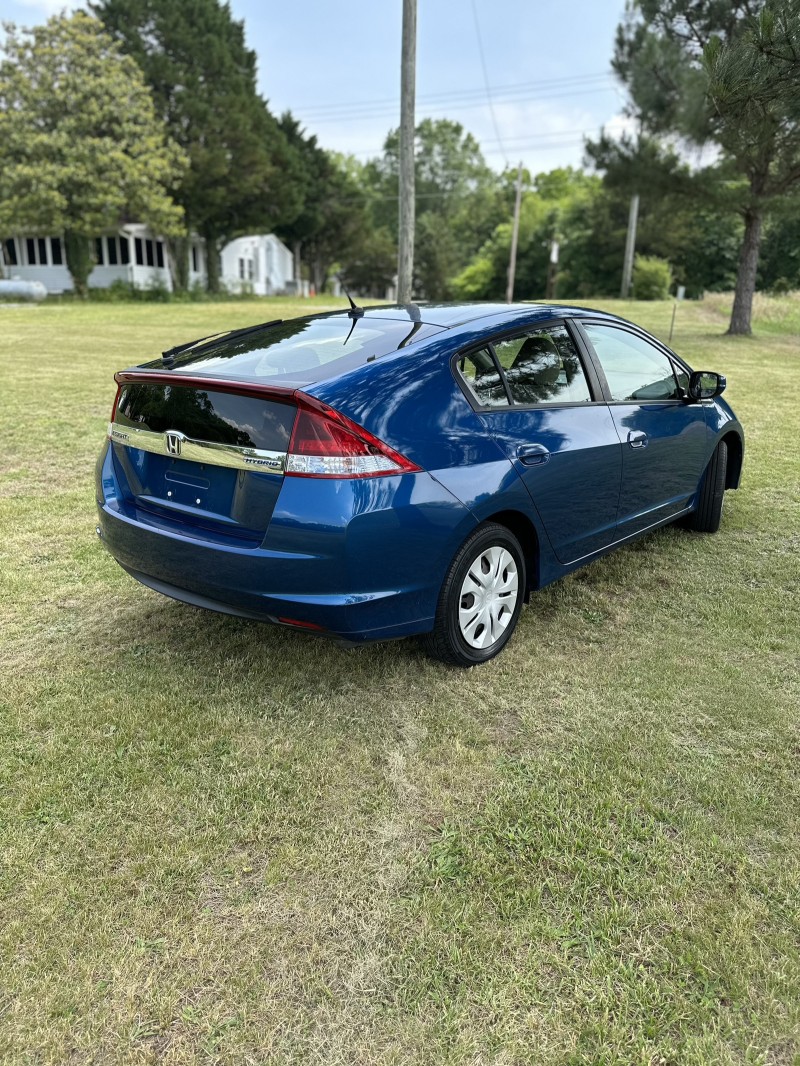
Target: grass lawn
x=228, y=843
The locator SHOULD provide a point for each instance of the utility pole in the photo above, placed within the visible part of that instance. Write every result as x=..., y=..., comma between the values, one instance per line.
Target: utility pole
x=630, y=246
x=512, y=262
x=405, y=252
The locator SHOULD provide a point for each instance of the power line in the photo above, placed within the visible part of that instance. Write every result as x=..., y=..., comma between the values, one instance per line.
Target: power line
x=544, y=140
x=486, y=81
x=497, y=90
x=467, y=105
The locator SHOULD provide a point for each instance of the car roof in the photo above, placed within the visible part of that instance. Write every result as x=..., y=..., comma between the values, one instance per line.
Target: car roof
x=408, y=326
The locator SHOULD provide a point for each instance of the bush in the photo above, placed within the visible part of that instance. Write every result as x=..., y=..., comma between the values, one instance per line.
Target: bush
x=652, y=278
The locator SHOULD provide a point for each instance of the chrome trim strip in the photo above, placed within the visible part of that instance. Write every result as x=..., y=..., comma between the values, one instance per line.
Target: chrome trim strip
x=197, y=451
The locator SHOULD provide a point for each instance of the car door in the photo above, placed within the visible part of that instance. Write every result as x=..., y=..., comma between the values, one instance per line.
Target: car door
x=664, y=438
x=544, y=408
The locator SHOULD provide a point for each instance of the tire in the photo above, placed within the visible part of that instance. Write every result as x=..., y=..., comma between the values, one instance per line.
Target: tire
x=481, y=598
x=711, y=494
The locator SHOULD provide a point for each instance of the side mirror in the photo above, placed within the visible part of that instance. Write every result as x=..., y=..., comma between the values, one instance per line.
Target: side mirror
x=705, y=385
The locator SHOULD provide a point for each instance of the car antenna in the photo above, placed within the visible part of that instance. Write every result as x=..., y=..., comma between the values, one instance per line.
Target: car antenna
x=355, y=311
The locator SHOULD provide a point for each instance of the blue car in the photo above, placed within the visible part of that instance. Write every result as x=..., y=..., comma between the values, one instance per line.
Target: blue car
x=373, y=474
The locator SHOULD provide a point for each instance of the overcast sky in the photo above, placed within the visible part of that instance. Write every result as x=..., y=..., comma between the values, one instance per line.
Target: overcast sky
x=336, y=65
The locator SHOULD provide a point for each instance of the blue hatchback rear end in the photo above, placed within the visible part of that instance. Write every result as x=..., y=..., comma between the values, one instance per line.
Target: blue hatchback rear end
x=225, y=483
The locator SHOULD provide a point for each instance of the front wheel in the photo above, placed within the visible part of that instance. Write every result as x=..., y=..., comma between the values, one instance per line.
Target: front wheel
x=481, y=598
x=711, y=495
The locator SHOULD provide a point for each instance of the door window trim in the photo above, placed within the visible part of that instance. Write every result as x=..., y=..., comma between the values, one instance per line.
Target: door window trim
x=593, y=380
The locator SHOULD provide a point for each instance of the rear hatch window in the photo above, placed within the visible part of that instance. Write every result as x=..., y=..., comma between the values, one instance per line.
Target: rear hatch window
x=201, y=459
x=300, y=351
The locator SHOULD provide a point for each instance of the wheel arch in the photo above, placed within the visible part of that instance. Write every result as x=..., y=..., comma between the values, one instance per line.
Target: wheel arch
x=735, y=459
x=525, y=531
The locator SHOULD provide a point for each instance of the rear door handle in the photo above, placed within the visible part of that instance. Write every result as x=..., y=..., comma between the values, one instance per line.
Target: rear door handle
x=533, y=454
x=637, y=439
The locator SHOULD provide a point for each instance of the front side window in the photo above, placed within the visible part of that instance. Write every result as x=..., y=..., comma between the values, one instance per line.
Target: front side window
x=479, y=372
x=543, y=366
x=636, y=371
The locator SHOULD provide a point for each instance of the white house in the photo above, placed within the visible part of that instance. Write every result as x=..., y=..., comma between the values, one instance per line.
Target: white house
x=260, y=264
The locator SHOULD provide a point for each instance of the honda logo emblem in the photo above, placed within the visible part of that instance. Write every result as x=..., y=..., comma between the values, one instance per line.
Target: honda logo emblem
x=174, y=442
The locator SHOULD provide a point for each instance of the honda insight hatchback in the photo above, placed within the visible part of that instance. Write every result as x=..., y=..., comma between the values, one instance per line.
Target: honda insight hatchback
x=372, y=474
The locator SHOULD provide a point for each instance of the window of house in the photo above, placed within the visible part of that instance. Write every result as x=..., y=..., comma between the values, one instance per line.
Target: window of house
x=195, y=267
x=10, y=252
x=139, y=251
x=112, y=245
x=543, y=366
x=98, y=251
x=124, y=251
x=251, y=269
x=159, y=253
x=56, y=254
x=148, y=247
x=241, y=268
x=36, y=249
x=635, y=369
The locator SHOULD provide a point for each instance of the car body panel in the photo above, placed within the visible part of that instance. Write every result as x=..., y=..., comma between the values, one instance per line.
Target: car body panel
x=664, y=452
x=569, y=446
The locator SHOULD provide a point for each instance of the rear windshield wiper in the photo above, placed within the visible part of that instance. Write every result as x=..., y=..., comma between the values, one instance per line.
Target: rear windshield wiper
x=226, y=334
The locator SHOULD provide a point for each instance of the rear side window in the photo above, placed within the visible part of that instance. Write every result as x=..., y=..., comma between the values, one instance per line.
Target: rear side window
x=480, y=374
x=636, y=371
x=542, y=366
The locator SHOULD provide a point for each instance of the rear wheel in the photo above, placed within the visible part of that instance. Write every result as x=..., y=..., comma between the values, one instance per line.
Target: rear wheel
x=481, y=598
x=711, y=496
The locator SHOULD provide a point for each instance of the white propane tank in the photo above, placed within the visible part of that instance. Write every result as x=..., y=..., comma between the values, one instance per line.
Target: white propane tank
x=17, y=289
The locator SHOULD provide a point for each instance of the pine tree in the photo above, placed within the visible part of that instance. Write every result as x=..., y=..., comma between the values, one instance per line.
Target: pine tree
x=727, y=72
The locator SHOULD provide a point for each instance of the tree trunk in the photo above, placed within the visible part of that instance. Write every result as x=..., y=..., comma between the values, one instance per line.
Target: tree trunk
x=319, y=274
x=178, y=249
x=212, y=263
x=79, y=261
x=746, y=276
x=298, y=266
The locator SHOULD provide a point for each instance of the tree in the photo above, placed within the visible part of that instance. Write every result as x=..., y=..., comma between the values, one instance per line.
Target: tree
x=81, y=148
x=459, y=200
x=333, y=221
x=685, y=216
x=754, y=86
x=727, y=71
x=241, y=173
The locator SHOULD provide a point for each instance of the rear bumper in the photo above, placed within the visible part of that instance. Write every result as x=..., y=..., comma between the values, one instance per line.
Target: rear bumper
x=361, y=559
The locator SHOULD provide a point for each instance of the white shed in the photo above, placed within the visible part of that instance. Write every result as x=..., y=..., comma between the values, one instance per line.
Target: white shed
x=260, y=263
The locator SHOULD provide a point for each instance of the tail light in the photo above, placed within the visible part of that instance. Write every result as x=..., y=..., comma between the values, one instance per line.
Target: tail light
x=326, y=443
x=114, y=409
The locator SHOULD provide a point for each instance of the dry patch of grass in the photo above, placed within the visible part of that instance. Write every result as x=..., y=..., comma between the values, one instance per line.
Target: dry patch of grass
x=224, y=842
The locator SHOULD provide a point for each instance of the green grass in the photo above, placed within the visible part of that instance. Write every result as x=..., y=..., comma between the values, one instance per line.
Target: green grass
x=229, y=843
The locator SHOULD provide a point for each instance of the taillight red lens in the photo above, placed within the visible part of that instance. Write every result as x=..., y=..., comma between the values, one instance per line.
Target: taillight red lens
x=325, y=443
x=114, y=408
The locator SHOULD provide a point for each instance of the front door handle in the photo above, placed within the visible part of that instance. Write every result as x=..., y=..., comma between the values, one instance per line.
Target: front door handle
x=533, y=454
x=637, y=439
